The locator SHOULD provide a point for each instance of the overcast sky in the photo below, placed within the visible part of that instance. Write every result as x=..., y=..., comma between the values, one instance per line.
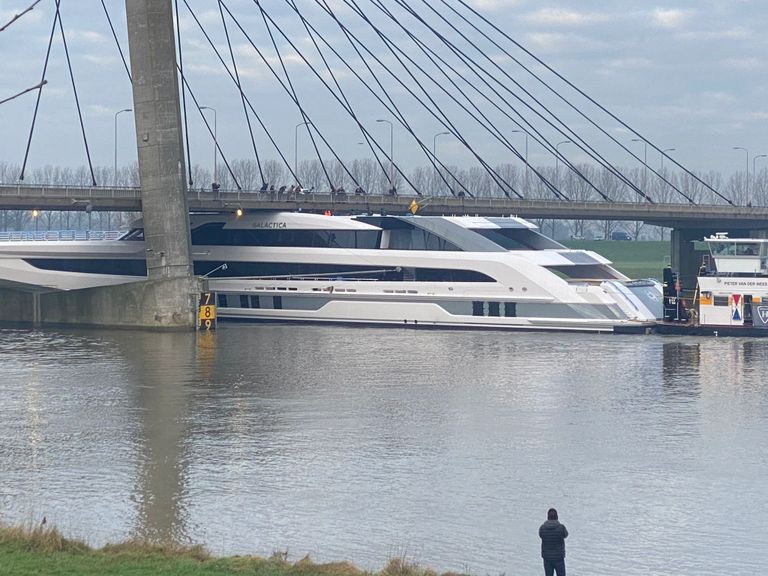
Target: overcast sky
x=689, y=75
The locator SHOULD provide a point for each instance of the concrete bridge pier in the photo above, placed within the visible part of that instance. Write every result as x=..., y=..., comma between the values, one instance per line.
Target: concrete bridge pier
x=167, y=304
x=167, y=300
x=686, y=260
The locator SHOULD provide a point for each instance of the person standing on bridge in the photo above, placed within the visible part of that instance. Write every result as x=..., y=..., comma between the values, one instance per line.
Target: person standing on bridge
x=553, y=535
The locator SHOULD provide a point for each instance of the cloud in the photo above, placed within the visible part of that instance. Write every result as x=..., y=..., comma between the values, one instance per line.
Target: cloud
x=101, y=59
x=552, y=42
x=668, y=18
x=562, y=17
x=735, y=33
x=630, y=63
x=746, y=63
x=86, y=36
x=204, y=69
x=493, y=5
x=99, y=110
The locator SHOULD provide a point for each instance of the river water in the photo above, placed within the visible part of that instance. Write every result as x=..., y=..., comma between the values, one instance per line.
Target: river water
x=446, y=448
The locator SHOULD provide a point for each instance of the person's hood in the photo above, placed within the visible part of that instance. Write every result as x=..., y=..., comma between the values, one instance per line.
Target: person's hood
x=551, y=524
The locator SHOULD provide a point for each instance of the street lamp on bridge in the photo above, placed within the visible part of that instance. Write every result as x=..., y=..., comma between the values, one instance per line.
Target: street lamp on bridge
x=557, y=162
x=746, y=173
x=753, y=164
x=526, y=154
x=645, y=163
x=391, y=151
x=215, y=146
x=526, y=144
x=116, y=115
x=434, y=150
x=296, y=149
x=664, y=153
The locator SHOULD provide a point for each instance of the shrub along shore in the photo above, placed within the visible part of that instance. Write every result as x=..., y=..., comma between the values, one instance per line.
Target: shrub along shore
x=44, y=550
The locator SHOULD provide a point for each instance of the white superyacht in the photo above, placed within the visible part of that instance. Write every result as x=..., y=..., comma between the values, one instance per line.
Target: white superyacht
x=426, y=271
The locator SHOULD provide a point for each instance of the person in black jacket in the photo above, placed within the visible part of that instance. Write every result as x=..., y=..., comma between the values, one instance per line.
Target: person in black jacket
x=553, y=535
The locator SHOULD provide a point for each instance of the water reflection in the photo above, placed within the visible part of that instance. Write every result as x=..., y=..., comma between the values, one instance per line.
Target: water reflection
x=681, y=363
x=357, y=443
x=163, y=368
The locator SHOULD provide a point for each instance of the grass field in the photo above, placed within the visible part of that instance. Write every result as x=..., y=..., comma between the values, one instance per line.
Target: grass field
x=43, y=550
x=635, y=259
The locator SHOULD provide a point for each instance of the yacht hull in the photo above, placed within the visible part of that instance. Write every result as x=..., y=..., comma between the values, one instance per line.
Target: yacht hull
x=389, y=271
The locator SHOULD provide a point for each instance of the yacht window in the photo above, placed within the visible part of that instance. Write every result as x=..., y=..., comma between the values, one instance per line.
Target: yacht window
x=477, y=308
x=329, y=271
x=91, y=265
x=510, y=309
x=214, y=234
x=722, y=301
x=223, y=301
x=417, y=239
x=243, y=301
x=450, y=275
x=134, y=235
x=518, y=238
x=594, y=272
x=255, y=302
x=493, y=309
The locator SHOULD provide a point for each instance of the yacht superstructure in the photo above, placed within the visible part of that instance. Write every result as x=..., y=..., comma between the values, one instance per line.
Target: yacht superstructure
x=373, y=269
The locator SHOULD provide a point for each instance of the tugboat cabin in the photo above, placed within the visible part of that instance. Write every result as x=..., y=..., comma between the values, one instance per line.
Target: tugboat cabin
x=735, y=292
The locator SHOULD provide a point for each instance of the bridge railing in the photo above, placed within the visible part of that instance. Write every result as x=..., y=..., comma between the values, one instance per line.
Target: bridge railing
x=76, y=193
x=58, y=235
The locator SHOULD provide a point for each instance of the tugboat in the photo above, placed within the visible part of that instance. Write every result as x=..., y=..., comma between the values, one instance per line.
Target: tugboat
x=731, y=296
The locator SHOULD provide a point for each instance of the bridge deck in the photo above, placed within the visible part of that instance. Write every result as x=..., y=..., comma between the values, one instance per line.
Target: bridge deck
x=120, y=199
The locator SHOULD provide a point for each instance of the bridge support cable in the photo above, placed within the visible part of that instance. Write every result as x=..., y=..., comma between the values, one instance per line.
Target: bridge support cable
x=256, y=115
x=276, y=76
x=440, y=115
x=295, y=97
x=484, y=122
x=333, y=93
x=570, y=133
x=117, y=42
x=39, y=93
x=347, y=104
x=473, y=11
x=287, y=89
x=17, y=16
x=208, y=126
x=242, y=96
x=392, y=107
x=472, y=65
x=74, y=91
x=389, y=105
x=184, y=96
x=356, y=44
x=32, y=89
x=432, y=55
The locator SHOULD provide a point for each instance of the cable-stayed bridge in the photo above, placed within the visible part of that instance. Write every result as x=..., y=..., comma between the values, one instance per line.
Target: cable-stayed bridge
x=128, y=199
x=426, y=68
x=346, y=72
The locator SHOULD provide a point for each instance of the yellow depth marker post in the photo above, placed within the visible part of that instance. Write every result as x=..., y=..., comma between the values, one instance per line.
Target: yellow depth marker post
x=206, y=317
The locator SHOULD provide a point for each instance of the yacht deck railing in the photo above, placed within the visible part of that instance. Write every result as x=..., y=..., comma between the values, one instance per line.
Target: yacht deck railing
x=59, y=235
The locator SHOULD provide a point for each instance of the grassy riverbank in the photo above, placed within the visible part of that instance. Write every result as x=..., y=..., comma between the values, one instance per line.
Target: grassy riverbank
x=641, y=259
x=44, y=550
